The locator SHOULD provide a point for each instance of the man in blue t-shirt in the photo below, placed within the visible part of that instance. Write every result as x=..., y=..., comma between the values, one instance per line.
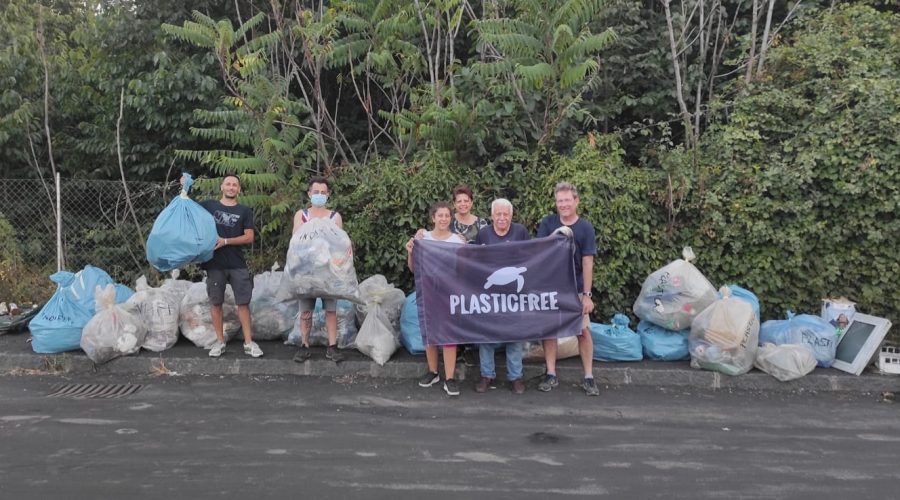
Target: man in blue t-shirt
x=234, y=223
x=585, y=250
x=501, y=230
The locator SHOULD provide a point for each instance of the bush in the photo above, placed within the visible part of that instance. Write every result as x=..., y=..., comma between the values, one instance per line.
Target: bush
x=802, y=190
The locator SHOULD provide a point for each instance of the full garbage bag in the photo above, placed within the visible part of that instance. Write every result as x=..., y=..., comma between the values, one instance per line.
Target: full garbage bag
x=812, y=332
x=724, y=336
x=410, y=331
x=158, y=309
x=739, y=292
x=566, y=347
x=616, y=342
x=318, y=335
x=272, y=318
x=176, y=286
x=183, y=233
x=674, y=295
x=57, y=327
x=380, y=315
x=785, y=362
x=319, y=264
x=660, y=344
x=113, y=331
x=195, y=316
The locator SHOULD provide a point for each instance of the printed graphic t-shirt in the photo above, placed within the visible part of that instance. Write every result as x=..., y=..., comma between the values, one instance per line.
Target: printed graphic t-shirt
x=230, y=223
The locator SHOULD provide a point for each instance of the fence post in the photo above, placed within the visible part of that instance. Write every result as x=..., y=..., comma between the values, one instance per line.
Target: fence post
x=59, y=249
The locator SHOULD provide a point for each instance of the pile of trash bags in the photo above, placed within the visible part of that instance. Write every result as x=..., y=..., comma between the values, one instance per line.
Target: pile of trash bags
x=813, y=332
x=58, y=325
x=183, y=233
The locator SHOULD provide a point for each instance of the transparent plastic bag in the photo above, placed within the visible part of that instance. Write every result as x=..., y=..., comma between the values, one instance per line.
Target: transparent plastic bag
x=319, y=264
x=176, y=286
x=812, y=332
x=157, y=308
x=380, y=317
x=785, y=362
x=272, y=319
x=724, y=336
x=674, y=295
x=113, y=331
x=318, y=336
x=195, y=317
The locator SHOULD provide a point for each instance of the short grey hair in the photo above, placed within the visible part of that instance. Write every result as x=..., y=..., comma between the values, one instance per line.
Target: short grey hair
x=566, y=186
x=501, y=203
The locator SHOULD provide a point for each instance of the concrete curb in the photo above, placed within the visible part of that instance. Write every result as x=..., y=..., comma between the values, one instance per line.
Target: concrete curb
x=186, y=360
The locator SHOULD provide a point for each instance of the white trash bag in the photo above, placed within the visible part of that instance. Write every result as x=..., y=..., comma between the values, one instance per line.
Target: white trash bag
x=272, y=319
x=319, y=264
x=724, y=336
x=176, y=286
x=785, y=362
x=379, y=333
x=157, y=308
x=195, y=316
x=113, y=331
x=674, y=295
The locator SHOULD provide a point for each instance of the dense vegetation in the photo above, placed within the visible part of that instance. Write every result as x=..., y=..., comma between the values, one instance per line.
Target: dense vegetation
x=763, y=134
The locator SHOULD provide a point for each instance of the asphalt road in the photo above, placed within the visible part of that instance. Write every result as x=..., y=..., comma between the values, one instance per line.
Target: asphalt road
x=302, y=437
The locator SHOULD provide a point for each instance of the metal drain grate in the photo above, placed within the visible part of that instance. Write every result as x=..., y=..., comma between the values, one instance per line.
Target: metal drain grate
x=94, y=391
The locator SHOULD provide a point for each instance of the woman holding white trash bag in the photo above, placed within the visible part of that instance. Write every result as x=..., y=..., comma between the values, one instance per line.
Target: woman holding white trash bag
x=318, y=198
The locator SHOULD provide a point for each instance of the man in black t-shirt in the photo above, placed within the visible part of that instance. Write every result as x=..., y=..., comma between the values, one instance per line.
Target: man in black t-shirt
x=234, y=223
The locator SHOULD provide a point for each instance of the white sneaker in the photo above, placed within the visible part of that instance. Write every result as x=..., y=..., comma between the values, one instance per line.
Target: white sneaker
x=217, y=349
x=253, y=350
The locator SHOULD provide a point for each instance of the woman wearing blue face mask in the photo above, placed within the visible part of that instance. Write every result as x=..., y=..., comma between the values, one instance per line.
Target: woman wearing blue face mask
x=318, y=197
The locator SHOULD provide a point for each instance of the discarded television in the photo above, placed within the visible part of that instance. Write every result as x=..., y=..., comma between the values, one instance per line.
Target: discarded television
x=860, y=342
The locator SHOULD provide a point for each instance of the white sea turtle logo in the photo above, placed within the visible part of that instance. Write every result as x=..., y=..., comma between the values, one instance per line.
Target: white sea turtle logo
x=505, y=276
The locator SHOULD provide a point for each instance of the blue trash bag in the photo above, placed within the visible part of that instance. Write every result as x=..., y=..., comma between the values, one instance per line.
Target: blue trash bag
x=616, y=342
x=746, y=296
x=184, y=233
x=815, y=333
x=57, y=328
x=663, y=345
x=410, y=331
x=123, y=293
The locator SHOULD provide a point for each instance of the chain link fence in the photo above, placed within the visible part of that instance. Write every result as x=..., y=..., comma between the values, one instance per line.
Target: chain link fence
x=97, y=227
x=96, y=223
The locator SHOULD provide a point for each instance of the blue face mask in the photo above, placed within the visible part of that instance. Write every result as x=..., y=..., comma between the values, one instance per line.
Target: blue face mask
x=318, y=200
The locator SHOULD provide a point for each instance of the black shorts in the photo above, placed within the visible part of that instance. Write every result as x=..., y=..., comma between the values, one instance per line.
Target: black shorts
x=240, y=280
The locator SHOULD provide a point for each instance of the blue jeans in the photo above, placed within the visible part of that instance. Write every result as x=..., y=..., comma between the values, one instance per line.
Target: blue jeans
x=514, y=351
